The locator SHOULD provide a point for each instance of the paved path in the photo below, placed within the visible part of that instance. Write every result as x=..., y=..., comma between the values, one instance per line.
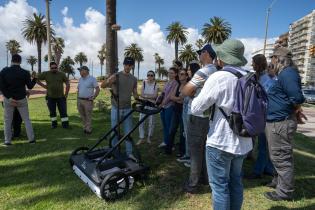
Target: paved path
x=308, y=129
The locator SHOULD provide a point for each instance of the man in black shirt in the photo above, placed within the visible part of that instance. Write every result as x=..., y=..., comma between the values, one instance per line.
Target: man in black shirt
x=13, y=80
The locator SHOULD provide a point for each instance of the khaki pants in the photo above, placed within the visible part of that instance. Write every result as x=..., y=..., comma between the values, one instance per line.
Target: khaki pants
x=22, y=107
x=85, y=108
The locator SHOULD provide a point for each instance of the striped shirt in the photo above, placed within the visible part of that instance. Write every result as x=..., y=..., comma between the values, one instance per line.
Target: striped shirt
x=198, y=81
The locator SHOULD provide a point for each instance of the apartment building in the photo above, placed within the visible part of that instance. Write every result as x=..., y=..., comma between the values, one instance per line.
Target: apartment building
x=301, y=39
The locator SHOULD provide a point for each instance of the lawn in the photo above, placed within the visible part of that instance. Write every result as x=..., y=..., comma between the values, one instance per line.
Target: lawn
x=39, y=176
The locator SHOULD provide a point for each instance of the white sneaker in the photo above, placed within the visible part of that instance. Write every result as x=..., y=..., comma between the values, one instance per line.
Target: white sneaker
x=140, y=141
x=162, y=144
x=132, y=157
x=187, y=164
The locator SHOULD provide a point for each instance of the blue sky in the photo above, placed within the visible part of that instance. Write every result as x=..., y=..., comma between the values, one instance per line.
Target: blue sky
x=247, y=17
x=82, y=24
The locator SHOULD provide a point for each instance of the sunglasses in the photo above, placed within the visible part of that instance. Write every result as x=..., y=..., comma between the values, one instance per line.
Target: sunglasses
x=150, y=75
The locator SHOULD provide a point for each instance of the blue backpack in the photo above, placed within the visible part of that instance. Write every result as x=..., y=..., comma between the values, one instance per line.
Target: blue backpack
x=248, y=117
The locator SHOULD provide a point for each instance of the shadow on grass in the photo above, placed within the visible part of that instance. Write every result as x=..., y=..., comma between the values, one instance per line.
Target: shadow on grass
x=310, y=207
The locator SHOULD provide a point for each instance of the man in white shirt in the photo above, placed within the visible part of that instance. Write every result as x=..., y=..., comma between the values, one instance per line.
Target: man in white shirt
x=225, y=151
x=86, y=95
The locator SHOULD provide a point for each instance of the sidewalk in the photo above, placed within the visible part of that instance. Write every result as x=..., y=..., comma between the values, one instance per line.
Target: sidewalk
x=308, y=129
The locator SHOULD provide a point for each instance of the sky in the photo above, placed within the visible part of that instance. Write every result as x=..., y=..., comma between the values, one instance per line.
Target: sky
x=82, y=24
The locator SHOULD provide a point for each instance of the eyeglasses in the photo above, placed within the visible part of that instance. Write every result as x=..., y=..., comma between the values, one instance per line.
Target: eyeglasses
x=150, y=75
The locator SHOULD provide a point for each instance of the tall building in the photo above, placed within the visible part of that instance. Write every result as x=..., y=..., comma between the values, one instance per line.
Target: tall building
x=301, y=39
x=268, y=51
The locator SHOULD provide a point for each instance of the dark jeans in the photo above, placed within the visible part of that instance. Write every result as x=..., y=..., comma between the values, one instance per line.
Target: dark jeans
x=16, y=123
x=197, y=130
x=61, y=103
x=176, y=121
x=166, y=117
x=280, y=140
x=263, y=163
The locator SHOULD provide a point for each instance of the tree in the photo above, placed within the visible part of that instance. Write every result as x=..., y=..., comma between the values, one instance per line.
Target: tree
x=156, y=55
x=135, y=52
x=199, y=43
x=159, y=61
x=32, y=61
x=13, y=47
x=139, y=59
x=52, y=58
x=35, y=31
x=187, y=54
x=216, y=31
x=66, y=66
x=102, y=56
x=177, y=34
x=111, y=37
x=81, y=58
x=58, y=44
x=162, y=72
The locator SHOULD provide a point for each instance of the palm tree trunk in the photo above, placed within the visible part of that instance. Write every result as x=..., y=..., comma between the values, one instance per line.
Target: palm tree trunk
x=39, y=56
x=111, y=60
x=138, y=69
x=32, y=67
x=101, y=70
x=133, y=70
x=159, y=67
x=176, y=50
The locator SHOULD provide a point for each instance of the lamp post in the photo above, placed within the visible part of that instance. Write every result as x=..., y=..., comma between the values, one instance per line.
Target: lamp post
x=267, y=20
x=48, y=32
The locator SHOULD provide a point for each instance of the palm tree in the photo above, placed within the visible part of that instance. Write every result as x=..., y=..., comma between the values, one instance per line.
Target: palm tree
x=111, y=37
x=13, y=47
x=135, y=52
x=58, y=44
x=102, y=56
x=53, y=58
x=139, y=59
x=162, y=72
x=199, y=43
x=80, y=58
x=187, y=54
x=216, y=31
x=32, y=61
x=159, y=61
x=35, y=31
x=156, y=55
x=66, y=66
x=177, y=34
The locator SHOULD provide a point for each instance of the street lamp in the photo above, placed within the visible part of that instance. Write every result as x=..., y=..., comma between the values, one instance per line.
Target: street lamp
x=267, y=20
x=48, y=32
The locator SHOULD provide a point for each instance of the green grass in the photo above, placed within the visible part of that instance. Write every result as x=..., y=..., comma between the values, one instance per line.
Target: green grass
x=39, y=176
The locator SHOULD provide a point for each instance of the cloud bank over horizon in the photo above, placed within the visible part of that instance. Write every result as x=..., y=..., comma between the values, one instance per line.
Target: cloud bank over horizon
x=89, y=36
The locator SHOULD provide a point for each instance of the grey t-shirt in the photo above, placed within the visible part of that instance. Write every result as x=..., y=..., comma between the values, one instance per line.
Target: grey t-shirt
x=127, y=83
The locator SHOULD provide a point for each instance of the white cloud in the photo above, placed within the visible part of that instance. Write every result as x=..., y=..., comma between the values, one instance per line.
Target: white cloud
x=64, y=11
x=90, y=35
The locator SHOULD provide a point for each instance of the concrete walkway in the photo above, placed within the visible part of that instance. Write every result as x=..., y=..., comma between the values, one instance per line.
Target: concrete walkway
x=308, y=129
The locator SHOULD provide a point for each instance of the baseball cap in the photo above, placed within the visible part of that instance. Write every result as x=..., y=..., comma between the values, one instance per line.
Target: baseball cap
x=83, y=68
x=129, y=61
x=209, y=49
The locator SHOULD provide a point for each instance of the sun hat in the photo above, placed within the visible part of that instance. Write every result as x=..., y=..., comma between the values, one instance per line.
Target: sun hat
x=231, y=52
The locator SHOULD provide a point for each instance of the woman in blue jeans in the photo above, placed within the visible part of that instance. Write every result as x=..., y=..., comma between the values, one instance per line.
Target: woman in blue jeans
x=168, y=105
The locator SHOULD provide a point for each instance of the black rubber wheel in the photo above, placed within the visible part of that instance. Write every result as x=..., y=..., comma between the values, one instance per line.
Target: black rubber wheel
x=114, y=186
x=79, y=150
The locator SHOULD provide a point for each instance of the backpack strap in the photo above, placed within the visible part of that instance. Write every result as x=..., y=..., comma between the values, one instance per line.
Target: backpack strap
x=232, y=71
x=143, y=85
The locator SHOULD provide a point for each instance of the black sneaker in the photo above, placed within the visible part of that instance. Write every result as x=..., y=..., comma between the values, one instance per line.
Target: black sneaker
x=190, y=189
x=183, y=159
x=88, y=132
x=32, y=142
x=7, y=144
x=275, y=197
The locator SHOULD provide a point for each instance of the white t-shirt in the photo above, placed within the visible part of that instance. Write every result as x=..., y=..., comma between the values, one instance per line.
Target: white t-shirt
x=150, y=89
x=219, y=89
x=86, y=87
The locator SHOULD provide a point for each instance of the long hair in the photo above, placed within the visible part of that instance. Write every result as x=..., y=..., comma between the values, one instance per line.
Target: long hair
x=260, y=63
x=194, y=67
x=284, y=62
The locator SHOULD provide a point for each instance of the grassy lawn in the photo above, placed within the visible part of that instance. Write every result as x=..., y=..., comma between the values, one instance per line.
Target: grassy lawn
x=39, y=176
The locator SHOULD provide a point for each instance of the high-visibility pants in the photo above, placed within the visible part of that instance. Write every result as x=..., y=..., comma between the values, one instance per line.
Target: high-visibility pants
x=61, y=103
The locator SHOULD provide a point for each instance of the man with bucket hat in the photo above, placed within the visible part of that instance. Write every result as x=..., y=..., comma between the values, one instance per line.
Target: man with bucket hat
x=225, y=151
x=198, y=123
x=88, y=90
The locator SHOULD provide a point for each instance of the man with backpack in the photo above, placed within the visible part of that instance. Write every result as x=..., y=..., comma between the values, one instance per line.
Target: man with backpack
x=284, y=111
x=227, y=143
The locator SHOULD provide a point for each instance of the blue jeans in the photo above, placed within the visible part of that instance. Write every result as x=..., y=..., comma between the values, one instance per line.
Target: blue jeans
x=263, y=163
x=176, y=121
x=224, y=171
x=185, y=121
x=127, y=126
x=166, y=117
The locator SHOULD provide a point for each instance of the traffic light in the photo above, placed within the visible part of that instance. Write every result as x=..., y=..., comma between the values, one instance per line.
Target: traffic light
x=312, y=51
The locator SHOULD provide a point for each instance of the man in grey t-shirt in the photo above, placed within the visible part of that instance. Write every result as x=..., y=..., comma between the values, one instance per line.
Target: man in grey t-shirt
x=127, y=85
